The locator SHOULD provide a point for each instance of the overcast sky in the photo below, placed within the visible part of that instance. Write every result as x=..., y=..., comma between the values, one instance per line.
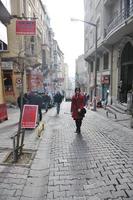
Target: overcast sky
x=68, y=34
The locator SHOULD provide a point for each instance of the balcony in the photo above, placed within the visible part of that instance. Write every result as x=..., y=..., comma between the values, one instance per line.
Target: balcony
x=121, y=17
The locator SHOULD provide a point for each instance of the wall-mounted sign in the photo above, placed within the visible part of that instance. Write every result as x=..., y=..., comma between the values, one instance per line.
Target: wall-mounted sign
x=26, y=27
x=7, y=65
x=105, y=79
x=18, y=81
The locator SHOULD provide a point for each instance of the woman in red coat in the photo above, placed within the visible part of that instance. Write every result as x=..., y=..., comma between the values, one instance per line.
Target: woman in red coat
x=76, y=106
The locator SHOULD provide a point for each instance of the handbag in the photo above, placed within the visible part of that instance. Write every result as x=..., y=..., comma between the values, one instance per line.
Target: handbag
x=82, y=112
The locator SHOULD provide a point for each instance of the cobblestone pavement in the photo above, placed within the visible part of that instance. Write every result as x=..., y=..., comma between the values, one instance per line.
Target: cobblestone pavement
x=123, y=119
x=96, y=165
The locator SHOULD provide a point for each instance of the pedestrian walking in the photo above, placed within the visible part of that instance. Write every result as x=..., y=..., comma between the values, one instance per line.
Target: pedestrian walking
x=86, y=99
x=58, y=100
x=36, y=99
x=46, y=100
x=106, y=98
x=77, y=109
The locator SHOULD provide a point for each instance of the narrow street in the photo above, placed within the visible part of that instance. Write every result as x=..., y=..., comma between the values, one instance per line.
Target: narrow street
x=96, y=165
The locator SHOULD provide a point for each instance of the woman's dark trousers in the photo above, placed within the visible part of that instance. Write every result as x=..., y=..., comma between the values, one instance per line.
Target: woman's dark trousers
x=78, y=125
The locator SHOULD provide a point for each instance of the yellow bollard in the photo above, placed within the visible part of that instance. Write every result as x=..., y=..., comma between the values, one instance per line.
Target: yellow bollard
x=40, y=128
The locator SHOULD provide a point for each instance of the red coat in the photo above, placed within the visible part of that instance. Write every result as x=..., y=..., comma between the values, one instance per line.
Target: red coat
x=77, y=103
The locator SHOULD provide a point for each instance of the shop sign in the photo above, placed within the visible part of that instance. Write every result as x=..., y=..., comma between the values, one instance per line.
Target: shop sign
x=26, y=27
x=105, y=79
x=29, y=116
x=18, y=82
x=7, y=65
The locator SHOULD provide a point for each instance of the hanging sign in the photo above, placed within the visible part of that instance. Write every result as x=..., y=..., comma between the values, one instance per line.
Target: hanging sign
x=29, y=116
x=25, y=27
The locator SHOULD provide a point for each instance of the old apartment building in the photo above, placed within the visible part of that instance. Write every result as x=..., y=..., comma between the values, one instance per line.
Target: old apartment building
x=28, y=59
x=114, y=20
x=4, y=20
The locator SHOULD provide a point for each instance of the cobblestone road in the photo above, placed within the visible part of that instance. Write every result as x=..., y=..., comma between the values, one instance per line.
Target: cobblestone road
x=96, y=165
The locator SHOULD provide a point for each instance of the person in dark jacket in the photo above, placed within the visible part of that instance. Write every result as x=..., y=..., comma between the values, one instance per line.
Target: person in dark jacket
x=58, y=99
x=36, y=99
x=46, y=101
x=77, y=109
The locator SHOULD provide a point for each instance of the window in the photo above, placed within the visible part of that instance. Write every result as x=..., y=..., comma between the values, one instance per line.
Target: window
x=3, y=46
x=98, y=64
x=91, y=65
x=91, y=40
x=8, y=85
x=32, y=47
x=106, y=60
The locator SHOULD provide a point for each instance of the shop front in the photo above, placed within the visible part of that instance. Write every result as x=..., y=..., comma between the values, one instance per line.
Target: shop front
x=105, y=82
x=4, y=19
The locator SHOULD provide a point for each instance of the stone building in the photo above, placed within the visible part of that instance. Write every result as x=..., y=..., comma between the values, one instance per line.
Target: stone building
x=81, y=79
x=22, y=62
x=58, y=75
x=65, y=76
x=114, y=20
x=4, y=20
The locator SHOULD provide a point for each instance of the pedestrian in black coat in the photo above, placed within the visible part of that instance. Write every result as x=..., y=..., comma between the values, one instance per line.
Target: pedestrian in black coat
x=36, y=99
x=58, y=99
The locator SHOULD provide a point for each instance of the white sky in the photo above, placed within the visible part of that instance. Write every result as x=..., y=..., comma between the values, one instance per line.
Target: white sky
x=68, y=34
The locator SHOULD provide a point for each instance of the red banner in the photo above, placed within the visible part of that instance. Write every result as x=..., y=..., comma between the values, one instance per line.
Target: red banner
x=26, y=27
x=29, y=116
x=3, y=112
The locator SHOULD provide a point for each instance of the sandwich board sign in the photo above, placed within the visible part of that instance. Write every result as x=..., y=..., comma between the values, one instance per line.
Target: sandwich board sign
x=29, y=116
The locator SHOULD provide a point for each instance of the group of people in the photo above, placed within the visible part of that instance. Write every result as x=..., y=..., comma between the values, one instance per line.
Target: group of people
x=33, y=98
x=78, y=104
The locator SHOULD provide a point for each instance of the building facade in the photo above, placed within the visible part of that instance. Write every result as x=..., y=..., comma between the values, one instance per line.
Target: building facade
x=58, y=75
x=22, y=62
x=65, y=76
x=81, y=79
x=114, y=50
x=4, y=21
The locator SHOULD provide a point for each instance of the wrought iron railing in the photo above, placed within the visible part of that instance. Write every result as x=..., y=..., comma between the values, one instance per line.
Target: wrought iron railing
x=119, y=19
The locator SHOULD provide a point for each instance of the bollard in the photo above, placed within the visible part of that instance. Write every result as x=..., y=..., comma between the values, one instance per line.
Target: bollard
x=39, y=129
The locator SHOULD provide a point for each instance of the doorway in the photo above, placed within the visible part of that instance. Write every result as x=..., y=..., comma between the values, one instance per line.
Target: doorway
x=126, y=76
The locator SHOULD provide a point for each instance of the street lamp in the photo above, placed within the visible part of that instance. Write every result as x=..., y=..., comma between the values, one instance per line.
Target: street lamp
x=95, y=73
